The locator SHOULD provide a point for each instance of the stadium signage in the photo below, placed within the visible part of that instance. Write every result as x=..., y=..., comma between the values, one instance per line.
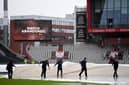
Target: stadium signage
x=33, y=30
x=102, y=30
x=124, y=30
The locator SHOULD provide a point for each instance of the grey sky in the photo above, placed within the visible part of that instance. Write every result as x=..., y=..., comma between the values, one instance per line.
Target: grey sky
x=56, y=8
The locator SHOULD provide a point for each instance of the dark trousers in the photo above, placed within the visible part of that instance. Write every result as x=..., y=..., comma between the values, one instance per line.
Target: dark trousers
x=83, y=70
x=115, y=67
x=43, y=73
x=10, y=74
x=61, y=72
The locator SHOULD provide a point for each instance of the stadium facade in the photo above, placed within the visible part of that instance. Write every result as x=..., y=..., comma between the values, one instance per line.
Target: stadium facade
x=109, y=21
x=37, y=30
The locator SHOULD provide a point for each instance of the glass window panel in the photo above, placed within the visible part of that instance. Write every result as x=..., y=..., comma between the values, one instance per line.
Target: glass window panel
x=110, y=13
x=117, y=13
x=127, y=3
x=124, y=19
x=104, y=14
x=124, y=3
x=104, y=3
x=117, y=20
x=110, y=4
x=117, y=3
x=103, y=21
x=128, y=10
x=123, y=10
x=117, y=8
x=128, y=20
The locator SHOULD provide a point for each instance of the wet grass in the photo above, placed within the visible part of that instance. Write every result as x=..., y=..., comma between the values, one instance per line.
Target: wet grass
x=41, y=82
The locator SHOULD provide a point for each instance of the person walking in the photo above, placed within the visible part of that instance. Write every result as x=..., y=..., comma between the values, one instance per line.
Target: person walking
x=113, y=59
x=115, y=67
x=44, y=63
x=59, y=68
x=9, y=68
x=83, y=68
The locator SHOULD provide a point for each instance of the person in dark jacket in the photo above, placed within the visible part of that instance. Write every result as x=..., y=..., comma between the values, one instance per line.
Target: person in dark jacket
x=9, y=68
x=83, y=68
x=115, y=67
x=44, y=63
x=59, y=67
x=114, y=60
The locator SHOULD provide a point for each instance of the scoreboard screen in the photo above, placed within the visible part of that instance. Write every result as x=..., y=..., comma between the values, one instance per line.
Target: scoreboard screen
x=31, y=29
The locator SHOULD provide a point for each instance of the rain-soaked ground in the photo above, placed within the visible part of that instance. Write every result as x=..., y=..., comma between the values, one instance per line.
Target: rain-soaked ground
x=97, y=73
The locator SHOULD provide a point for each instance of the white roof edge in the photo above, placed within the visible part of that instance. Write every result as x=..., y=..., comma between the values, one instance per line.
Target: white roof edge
x=38, y=17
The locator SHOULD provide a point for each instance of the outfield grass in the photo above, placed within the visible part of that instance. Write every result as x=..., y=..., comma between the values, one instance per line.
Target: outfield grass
x=41, y=82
